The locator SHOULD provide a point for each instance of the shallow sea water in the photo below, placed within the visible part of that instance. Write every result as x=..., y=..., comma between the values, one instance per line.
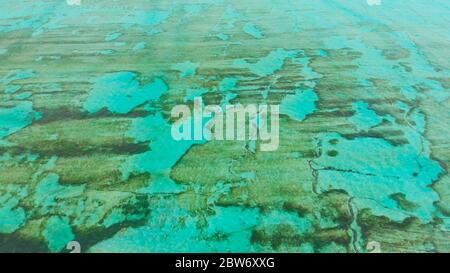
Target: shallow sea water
x=86, y=152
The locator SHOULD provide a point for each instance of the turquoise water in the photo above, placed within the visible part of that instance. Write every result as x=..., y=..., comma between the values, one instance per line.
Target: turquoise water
x=120, y=93
x=86, y=151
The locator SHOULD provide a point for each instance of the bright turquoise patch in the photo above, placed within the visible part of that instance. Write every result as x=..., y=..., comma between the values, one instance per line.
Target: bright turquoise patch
x=193, y=93
x=49, y=192
x=253, y=31
x=58, y=233
x=373, y=176
x=228, y=84
x=267, y=65
x=17, y=75
x=299, y=105
x=186, y=69
x=364, y=117
x=12, y=88
x=113, y=36
x=24, y=95
x=15, y=118
x=11, y=214
x=106, y=52
x=121, y=92
x=223, y=36
x=409, y=92
x=139, y=46
x=156, y=17
x=164, y=150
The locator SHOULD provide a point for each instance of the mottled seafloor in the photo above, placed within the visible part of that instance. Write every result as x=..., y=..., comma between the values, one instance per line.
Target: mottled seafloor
x=86, y=153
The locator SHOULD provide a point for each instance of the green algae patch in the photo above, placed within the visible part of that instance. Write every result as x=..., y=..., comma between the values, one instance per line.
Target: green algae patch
x=299, y=105
x=121, y=92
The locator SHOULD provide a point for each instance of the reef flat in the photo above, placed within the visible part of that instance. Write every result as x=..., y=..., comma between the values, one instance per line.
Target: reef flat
x=86, y=152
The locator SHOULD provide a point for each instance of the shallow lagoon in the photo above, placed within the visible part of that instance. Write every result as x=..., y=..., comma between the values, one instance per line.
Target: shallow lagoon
x=85, y=146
